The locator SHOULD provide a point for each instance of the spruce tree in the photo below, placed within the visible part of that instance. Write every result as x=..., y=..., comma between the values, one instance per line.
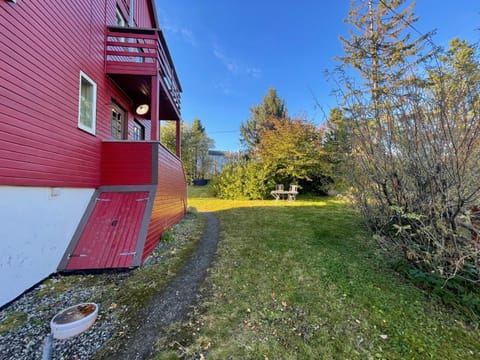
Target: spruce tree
x=381, y=48
x=272, y=107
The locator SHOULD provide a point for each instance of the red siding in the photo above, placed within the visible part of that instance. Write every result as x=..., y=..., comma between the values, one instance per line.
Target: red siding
x=127, y=163
x=43, y=47
x=144, y=163
x=93, y=245
x=170, y=200
x=41, y=54
x=148, y=128
x=111, y=234
x=144, y=15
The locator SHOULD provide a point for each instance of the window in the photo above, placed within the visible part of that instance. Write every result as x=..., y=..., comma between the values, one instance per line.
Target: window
x=118, y=122
x=138, y=131
x=119, y=18
x=87, y=106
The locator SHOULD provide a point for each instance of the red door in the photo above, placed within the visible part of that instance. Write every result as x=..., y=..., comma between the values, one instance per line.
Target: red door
x=111, y=234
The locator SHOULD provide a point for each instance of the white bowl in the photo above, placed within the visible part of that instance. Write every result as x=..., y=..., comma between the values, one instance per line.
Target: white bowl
x=73, y=320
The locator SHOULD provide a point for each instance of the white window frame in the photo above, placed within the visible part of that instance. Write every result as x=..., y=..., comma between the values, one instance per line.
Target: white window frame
x=123, y=122
x=82, y=126
x=138, y=129
x=119, y=16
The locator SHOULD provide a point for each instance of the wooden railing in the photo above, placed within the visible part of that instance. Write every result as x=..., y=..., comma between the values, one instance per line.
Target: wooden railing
x=167, y=70
x=139, y=51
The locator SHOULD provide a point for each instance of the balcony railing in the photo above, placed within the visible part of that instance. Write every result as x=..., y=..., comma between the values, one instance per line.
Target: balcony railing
x=136, y=51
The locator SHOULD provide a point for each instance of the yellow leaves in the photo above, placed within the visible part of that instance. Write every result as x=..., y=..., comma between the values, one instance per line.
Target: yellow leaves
x=252, y=325
x=293, y=145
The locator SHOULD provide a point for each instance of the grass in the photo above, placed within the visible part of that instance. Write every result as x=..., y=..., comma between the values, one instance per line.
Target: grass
x=12, y=321
x=302, y=280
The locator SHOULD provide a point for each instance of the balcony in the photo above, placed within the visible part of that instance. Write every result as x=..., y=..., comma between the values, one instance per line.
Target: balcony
x=132, y=57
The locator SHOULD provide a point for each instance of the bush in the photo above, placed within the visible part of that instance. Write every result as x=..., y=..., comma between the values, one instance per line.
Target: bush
x=319, y=185
x=416, y=162
x=243, y=180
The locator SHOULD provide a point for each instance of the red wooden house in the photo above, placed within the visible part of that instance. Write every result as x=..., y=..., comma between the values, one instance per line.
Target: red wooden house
x=84, y=181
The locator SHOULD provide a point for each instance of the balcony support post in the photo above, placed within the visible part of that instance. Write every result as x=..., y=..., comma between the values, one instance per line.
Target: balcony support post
x=154, y=106
x=178, y=139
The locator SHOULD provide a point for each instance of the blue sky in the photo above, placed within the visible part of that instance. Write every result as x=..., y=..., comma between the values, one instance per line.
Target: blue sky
x=228, y=53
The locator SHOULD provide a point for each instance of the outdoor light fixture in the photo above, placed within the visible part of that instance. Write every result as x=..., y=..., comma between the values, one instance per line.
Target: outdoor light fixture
x=142, y=109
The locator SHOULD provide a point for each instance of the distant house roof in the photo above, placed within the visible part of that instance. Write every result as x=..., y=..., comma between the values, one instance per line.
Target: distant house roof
x=217, y=153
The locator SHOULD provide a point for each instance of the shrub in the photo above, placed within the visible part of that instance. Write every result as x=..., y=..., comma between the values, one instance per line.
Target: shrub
x=243, y=180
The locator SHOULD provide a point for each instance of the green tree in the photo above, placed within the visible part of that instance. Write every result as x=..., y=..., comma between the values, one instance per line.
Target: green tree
x=338, y=135
x=382, y=52
x=380, y=47
x=338, y=145
x=414, y=162
x=168, y=135
x=272, y=107
x=195, y=144
x=458, y=77
x=199, y=145
x=292, y=149
x=168, y=138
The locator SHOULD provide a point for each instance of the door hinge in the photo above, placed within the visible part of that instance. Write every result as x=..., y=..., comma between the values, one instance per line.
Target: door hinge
x=99, y=199
x=128, y=253
x=143, y=199
x=76, y=255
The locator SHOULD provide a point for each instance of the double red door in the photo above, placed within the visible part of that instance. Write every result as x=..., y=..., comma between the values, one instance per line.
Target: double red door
x=111, y=234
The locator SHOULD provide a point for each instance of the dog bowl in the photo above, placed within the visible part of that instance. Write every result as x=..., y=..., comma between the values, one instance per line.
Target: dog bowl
x=73, y=320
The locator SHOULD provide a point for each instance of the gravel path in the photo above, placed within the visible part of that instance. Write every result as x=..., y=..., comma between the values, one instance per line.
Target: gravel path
x=36, y=307
x=175, y=301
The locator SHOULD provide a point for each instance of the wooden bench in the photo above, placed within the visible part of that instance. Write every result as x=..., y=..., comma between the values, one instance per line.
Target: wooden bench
x=280, y=193
x=292, y=193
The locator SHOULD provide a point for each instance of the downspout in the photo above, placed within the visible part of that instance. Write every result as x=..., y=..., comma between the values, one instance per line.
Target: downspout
x=131, y=17
x=178, y=139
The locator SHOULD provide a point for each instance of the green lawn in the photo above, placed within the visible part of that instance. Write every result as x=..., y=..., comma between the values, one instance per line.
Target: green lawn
x=302, y=280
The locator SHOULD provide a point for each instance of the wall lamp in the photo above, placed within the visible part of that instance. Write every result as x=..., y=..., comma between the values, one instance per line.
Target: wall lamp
x=142, y=109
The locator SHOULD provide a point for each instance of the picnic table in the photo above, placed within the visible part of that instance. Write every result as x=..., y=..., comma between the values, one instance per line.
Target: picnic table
x=281, y=193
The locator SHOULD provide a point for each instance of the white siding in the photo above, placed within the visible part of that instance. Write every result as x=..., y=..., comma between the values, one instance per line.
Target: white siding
x=36, y=226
